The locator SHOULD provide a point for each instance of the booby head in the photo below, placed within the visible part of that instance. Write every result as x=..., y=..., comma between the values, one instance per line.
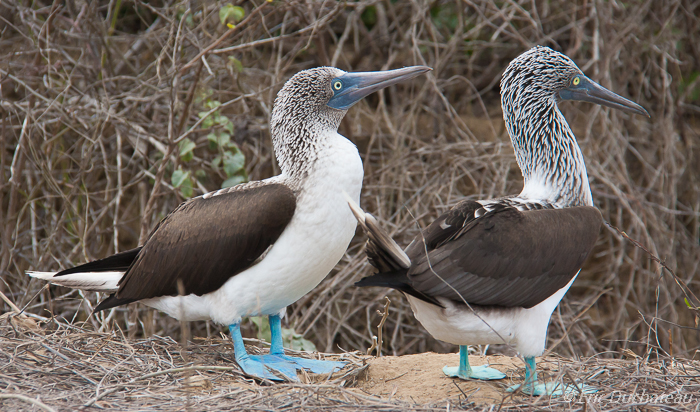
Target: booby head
x=312, y=103
x=545, y=146
x=542, y=74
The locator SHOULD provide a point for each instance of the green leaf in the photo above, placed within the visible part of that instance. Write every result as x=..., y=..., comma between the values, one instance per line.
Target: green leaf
x=263, y=325
x=178, y=177
x=224, y=139
x=228, y=125
x=208, y=121
x=233, y=162
x=187, y=188
x=186, y=147
x=293, y=340
x=212, y=104
x=233, y=181
x=213, y=141
x=235, y=64
x=200, y=174
x=216, y=162
x=231, y=14
x=687, y=303
x=220, y=139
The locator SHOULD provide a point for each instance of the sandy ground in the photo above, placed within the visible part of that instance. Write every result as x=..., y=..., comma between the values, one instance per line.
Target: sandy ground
x=419, y=378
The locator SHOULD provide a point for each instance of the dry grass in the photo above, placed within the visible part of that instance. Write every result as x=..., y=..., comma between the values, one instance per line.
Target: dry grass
x=96, y=96
x=50, y=365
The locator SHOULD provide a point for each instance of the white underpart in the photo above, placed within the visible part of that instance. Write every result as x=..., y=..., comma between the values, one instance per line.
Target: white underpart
x=538, y=188
x=308, y=249
x=92, y=281
x=526, y=329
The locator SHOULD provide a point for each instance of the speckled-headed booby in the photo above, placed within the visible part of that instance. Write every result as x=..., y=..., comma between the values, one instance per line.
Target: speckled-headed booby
x=255, y=248
x=492, y=271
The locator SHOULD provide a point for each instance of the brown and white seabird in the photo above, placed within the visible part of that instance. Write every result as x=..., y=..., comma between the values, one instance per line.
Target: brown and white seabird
x=255, y=248
x=492, y=271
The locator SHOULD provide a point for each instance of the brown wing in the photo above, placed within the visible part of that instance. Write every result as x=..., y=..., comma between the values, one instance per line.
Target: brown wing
x=204, y=242
x=505, y=257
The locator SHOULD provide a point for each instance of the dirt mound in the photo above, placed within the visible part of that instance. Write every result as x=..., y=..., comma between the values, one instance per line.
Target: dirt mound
x=419, y=378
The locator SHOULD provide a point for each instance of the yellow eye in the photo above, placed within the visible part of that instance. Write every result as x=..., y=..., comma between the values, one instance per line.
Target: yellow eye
x=337, y=85
x=576, y=81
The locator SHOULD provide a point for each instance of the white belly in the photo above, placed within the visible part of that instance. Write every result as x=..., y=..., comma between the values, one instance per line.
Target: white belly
x=308, y=249
x=456, y=324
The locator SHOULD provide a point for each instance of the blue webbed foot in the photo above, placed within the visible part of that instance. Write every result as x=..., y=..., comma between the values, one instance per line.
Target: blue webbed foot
x=465, y=371
x=276, y=365
x=264, y=366
x=314, y=365
x=483, y=372
x=553, y=389
x=532, y=387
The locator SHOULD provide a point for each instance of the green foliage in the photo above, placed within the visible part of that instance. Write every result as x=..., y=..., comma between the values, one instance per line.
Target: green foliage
x=290, y=338
x=229, y=15
x=234, y=64
x=369, y=17
x=186, y=147
x=229, y=159
x=189, y=19
x=445, y=16
x=181, y=180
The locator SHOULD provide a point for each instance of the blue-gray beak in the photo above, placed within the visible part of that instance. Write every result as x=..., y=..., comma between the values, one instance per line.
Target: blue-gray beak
x=589, y=91
x=350, y=88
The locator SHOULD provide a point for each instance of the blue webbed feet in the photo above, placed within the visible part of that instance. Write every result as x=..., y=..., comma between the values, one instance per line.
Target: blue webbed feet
x=276, y=365
x=465, y=371
x=313, y=365
x=265, y=366
x=532, y=387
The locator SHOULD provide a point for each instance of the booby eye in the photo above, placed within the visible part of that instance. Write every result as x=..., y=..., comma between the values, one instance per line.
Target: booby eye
x=337, y=85
x=576, y=81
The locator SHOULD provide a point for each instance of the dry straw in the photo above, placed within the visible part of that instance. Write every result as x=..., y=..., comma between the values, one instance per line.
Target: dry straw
x=97, y=95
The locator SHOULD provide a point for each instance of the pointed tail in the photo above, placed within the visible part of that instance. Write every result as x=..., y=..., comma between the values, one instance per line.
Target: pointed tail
x=92, y=281
x=101, y=275
x=382, y=251
x=387, y=256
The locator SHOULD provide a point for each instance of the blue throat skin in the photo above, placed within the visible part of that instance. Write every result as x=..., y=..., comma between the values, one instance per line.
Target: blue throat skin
x=465, y=371
x=265, y=366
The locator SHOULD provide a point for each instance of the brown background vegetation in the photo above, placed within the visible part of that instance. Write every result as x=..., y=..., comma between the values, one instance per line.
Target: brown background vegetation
x=96, y=96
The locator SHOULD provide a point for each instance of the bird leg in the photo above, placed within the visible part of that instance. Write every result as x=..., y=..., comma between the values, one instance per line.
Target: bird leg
x=465, y=371
x=258, y=366
x=532, y=387
x=264, y=366
x=313, y=365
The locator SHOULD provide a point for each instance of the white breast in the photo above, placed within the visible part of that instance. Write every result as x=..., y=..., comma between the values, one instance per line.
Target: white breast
x=308, y=249
x=457, y=324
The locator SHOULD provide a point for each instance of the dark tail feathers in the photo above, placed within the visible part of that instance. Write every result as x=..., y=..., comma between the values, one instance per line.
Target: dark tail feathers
x=387, y=256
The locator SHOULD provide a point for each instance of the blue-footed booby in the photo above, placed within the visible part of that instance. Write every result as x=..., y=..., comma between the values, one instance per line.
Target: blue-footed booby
x=492, y=271
x=255, y=248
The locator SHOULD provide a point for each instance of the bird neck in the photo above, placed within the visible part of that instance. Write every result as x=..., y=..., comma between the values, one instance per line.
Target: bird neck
x=298, y=142
x=548, y=155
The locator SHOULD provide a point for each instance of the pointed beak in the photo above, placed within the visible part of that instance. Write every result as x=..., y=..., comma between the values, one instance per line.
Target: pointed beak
x=590, y=91
x=355, y=86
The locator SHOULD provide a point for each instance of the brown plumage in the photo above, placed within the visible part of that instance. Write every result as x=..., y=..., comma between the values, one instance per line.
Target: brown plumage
x=231, y=231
